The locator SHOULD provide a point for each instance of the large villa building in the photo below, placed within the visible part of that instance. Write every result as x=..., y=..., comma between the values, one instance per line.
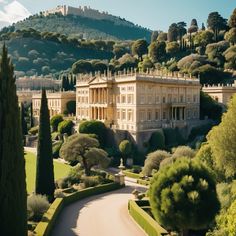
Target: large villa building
x=139, y=103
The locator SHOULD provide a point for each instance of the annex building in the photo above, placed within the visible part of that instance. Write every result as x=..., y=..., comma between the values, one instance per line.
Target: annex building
x=139, y=103
x=221, y=93
x=56, y=103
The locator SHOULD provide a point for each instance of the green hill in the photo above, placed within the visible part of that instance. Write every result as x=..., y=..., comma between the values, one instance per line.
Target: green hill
x=113, y=28
x=33, y=53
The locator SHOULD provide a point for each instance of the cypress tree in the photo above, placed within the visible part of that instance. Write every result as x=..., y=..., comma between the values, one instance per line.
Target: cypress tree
x=44, y=172
x=13, y=195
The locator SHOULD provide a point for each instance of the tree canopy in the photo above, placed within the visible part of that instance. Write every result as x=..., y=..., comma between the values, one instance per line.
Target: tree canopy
x=84, y=149
x=222, y=139
x=183, y=196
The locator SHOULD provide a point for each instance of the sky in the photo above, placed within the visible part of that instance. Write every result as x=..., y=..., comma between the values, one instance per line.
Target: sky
x=152, y=14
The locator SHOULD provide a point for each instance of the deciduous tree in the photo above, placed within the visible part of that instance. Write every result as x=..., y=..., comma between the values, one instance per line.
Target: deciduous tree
x=84, y=149
x=222, y=140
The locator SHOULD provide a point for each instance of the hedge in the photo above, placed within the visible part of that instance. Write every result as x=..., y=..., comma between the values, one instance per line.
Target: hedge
x=145, y=221
x=143, y=182
x=131, y=174
x=45, y=226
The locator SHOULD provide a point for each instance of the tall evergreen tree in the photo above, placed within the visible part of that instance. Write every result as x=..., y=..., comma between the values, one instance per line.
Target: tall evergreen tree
x=13, y=210
x=216, y=22
x=44, y=173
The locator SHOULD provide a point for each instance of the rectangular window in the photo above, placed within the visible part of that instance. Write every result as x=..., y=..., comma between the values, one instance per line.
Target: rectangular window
x=130, y=115
x=142, y=99
x=157, y=115
x=142, y=115
x=164, y=99
x=118, y=114
x=181, y=98
x=157, y=99
x=123, y=114
x=123, y=99
x=130, y=98
x=164, y=115
x=118, y=99
x=149, y=115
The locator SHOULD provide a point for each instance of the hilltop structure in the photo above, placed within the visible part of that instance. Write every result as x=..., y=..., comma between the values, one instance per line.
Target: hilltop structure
x=139, y=103
x=84, y=11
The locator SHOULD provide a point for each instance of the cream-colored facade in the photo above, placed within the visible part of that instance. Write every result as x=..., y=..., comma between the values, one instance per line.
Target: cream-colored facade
x=56, y=103
x=138, y=102
x=221, y=93
x=25, y=96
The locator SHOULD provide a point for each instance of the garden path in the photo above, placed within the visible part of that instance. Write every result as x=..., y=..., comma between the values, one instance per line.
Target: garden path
x=101, y=215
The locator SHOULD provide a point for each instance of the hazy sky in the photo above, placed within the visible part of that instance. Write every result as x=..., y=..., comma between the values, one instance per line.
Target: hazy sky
x=153, y=14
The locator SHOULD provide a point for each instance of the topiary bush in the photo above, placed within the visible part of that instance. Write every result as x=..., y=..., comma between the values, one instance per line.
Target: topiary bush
x=56, y=149
x=37, y=205
x=71, y=107
x=153, y=161
x=183, y=151
x=183, y=196
x=65, y=127
x=157, y=141
x=91, y=181
x=94, y=127
x=55, y=121
x=125, y=148
x=34, y=130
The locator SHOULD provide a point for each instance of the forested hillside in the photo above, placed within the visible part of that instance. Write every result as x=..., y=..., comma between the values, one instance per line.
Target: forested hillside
x=33, y=53
x=83, y=27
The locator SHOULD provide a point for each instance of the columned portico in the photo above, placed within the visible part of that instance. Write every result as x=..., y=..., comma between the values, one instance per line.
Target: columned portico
x=178, y=113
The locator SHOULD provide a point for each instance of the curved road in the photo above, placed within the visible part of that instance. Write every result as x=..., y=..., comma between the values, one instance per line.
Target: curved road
x=101, y=215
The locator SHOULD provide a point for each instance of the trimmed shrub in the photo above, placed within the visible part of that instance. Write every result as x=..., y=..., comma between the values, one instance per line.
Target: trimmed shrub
x=91, y=181
x=37, y=205
x=199, y=130
x=183, y=196
x=71, y=107
x=125, y=148
x=56, y=149
x=34, y=130
x=173, y=137
x=183, y=151
x=55, y=121
x=157, y=141
x=153, y=161
x=65, y=127
x=94, y=127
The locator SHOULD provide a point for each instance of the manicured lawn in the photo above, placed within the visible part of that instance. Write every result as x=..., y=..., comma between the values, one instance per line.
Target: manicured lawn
x=60, y=170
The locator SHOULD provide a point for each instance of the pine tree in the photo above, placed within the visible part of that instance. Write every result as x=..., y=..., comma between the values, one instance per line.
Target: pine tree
x=13, y=210
x=44, y=173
